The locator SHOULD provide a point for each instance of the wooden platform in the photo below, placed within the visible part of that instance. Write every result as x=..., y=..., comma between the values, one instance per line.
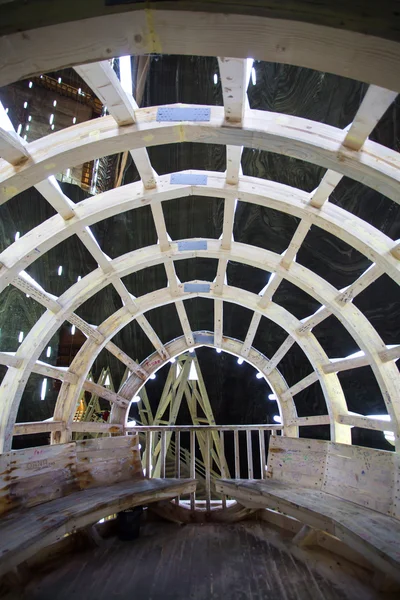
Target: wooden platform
x=196, y=562
x=375, y=535
x=24, y=532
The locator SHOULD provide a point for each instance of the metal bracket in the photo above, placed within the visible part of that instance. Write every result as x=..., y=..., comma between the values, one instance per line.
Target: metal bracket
x=188, y=179
x=195, y=245
x=177, y=113
x=196, y=287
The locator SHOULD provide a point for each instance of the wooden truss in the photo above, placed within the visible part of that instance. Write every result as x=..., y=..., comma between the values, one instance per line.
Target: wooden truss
x=346, y=152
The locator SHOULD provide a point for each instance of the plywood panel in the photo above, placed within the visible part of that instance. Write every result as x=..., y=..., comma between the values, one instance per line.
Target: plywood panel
x=297, y=461
x=35, y=475
x=362, y=475
x=105, y=461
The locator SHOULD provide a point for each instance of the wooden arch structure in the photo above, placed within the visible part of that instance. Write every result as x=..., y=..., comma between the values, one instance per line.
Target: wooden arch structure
x=309, y=40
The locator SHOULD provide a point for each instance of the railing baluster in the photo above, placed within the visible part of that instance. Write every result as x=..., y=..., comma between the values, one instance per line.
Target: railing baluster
x=222, y=459
x=262, y=452
x=163, y=453
x=249, y=454
x=149, y=452
x=208, y=467
x=237, y=455
x=192, y=466
x=177, y=458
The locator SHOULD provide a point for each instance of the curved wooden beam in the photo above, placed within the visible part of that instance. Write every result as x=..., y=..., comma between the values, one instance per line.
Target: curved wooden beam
x=354, y=231
x=373, y=165
x=67, y=398
x=348, y=314
x=101, y=35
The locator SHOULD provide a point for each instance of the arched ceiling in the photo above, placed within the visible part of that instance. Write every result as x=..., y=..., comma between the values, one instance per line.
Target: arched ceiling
x=334, y=241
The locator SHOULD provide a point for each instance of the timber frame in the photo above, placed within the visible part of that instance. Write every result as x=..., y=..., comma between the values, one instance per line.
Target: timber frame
x=346, y=152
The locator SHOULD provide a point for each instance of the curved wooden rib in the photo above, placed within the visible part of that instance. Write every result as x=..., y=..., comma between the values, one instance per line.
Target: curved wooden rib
x=328, y=49
x=373, y=165
x=354, y=231
x=349, y=315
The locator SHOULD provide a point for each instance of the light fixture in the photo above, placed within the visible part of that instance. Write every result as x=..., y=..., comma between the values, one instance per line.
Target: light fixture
x=215, y=78
x=48, y=351
x=59, y=80
x=173, y=360
x=25, y=105
x=272, y=397
x=51, y=118
x=153, y=376
x=60, y=270
x=52, y=127
x=55, y=103
x=277, y=419
x=259, y=375
x=31, y=84
x=240, y=361
x=21, y=336
x=191, y=350
x=6, y=111
x=29, y=118
x=19, y=128
x=73, y=330
x=253, y=76
x=74, y=120
x=44, y=389
x=17, y=234
x=27, y=128
x=79, y=278
x=218, y=350
x=136, y=399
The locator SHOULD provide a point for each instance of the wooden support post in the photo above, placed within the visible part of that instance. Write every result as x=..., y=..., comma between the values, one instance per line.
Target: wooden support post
x=236, y=450
x=192, y=466
x=262, y=453
x=149, y=453
x=250, y=470
x=208, y=470
x=307, y=536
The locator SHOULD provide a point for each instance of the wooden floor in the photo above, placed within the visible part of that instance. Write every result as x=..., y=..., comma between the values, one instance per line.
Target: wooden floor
x=192, y=562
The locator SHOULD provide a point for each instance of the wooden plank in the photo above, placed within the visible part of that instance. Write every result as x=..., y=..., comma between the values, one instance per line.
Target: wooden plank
x=207, y=464
x=269, y=290
x=218, y=322
x=38, y=427
x=315, y=37
x=103, y=392
x=102, y=79
x=12, y=147
x=279, y=354
x=296, y=461
x=234, y=87
x=192, y=467
x=366, y=422
x=295, y=243
x=364, y=476
x=371, y=534
x=301, y=385
x=236, y=452
x=251, y=333
x=92, y=245
x=250, y=470
x=184, y=320
x=328, y=183
x=227, y=226
x=49, y=522
x=374, y=105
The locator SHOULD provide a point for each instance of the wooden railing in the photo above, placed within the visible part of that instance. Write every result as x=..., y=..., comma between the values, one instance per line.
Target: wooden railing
x=205, y=453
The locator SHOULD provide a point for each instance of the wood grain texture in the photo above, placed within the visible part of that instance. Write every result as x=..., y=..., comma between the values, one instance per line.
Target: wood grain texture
x=170, y=562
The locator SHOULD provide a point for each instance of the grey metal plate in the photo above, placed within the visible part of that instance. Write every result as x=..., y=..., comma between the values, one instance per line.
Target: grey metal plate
x=195, y=245
x=196, y=287
x=188, y=179
x=203, y=338
x=177, y=113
